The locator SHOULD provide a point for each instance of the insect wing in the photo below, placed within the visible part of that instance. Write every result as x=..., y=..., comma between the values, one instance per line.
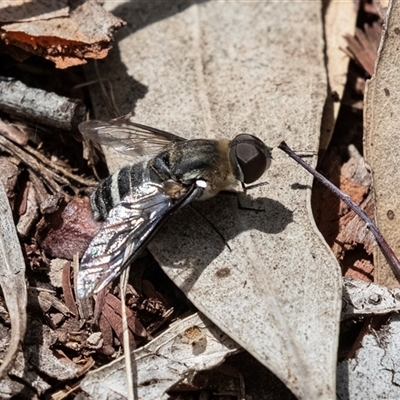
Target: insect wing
x=126, y=231
x=128, y=137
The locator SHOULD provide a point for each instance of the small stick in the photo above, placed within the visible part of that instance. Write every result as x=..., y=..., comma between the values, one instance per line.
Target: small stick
x=125, y=334
x=36, y=105
x=387, y=250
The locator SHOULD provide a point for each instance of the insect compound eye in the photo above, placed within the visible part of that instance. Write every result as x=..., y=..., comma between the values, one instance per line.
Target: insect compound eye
x=253, y=157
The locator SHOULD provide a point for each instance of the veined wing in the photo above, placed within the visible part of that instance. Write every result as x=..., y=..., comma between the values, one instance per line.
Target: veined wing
x=128, y=229
x=128, y=137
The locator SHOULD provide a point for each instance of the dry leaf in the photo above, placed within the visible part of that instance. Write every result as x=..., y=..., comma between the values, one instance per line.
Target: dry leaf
x=382, y=149
x=67, y=288
x=67, y=40
x=9, y=173
x=23, y=10
x=374, y=372
x=189, y=345
x=56, y=272
x=366, y=298
x=133, y=323
x=340, y=18
x=68, y=228
x=278, y=291
x=29, y=215
x=12, y=281
x=364, y=45
x=38, y=359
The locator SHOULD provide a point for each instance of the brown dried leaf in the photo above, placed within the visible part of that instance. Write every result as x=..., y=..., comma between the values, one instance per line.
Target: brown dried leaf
x=67, y=289
x=361, y=270
x=36, y=258
x=150, y=292
x=106, y=330
x=134, y=324
x=115, y=322
x=67, y=41
x=70, y=336
x=46, y=301
x=364, y=45
x=56, y=272
x=68, y=228
x=353, y=231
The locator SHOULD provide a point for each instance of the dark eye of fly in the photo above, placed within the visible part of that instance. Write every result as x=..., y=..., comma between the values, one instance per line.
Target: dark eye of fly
x=253, y=157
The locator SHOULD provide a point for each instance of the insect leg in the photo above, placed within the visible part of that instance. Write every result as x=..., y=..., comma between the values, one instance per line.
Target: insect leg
x=214, y=228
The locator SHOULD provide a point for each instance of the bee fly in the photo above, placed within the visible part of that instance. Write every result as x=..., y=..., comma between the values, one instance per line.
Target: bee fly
x=139, y=198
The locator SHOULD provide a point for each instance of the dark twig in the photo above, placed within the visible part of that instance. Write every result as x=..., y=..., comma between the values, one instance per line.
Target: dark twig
x=387, y=250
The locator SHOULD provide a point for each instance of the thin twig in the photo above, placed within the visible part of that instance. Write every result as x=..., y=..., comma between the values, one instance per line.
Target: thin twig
x=125, y=334
x=49, y=177
x=58, y=168
x=52, y=174
x=386, y=249
x=109, y=100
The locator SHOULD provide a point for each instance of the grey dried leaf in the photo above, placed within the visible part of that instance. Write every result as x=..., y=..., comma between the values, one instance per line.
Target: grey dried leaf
x=9, y=173
x=189, y=345
x=12, y=280
x=56, y=271
x=362, y=298
x=39, y=358
x=31, y=213
x=232, y=74
x=381, y=150
x=21, y=10
x=46, y=300
x=374, y=371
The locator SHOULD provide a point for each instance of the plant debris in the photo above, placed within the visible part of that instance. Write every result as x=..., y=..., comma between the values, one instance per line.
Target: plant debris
x=48, y=173
x=67, y=32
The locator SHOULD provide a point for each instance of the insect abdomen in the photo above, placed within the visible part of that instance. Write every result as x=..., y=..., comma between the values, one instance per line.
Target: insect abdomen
x=114, y=188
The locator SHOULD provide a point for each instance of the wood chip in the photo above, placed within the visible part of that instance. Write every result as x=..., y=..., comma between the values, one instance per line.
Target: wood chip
x=66, y=40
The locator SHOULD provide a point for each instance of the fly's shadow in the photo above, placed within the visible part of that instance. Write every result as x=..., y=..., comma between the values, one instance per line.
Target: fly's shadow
x=188, y=241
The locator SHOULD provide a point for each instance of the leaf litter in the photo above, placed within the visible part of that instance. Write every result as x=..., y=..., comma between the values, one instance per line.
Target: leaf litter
x=69, y=349
x=65, y=32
